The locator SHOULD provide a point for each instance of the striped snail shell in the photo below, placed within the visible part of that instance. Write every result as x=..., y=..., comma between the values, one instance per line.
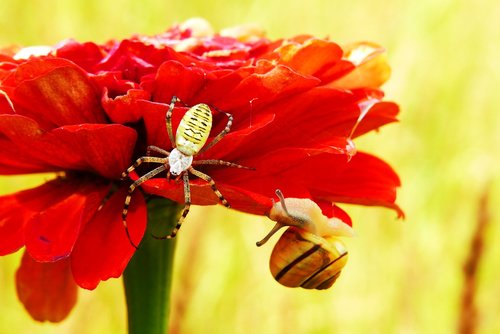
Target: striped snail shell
x=310, y=253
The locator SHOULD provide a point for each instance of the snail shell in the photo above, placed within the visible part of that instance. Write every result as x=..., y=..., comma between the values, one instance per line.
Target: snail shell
x=310, y=253
x=302, y=259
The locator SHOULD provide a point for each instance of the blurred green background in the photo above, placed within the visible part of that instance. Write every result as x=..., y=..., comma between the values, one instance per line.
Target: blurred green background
x=402, y=276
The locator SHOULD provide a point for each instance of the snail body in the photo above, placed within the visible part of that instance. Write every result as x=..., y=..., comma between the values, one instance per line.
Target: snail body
x=310, y=253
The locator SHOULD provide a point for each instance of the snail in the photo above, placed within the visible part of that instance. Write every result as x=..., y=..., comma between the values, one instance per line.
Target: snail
x=310, y=253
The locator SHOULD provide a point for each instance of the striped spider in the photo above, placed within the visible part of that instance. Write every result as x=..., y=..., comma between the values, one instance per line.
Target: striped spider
x=190, y=138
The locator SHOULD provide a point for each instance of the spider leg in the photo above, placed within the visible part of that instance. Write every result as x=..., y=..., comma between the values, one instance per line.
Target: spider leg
x=140, y=161
x=156, y=149
x=211, y=182
x=131, y=189
x=185, y=211
x=220, y=162
x=168, y=120
x=222, y=133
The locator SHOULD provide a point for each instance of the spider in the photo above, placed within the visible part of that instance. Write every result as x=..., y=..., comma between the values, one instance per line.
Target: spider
x=190, y=138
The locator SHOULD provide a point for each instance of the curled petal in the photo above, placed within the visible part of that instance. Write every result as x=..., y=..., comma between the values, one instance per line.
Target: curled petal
x=379, y=114
x=341, y=214
x=103, y=249
x=311, y=56
x=371, y=67
x=47, y=290
x=126, y=108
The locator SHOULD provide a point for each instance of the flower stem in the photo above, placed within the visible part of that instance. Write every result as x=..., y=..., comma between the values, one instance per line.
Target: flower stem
x=148, y=276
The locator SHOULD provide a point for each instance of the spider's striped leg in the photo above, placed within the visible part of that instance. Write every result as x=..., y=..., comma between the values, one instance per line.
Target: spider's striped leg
x=220, y=162
x=156, y=149
x=140, y=161
x=211, y=182
x=185, y=211
x=222, y=133
x=131, y=189
x=168, y=120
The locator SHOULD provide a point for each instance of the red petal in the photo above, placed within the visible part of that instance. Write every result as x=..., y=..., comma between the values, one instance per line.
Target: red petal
x=301, y=120
x=217, y=84
x=328, y=176
x=312, y=57
x=305, y=120
x=106, y=149
x=52, y=233
x=366, y=180
x=342, y=215
x=17, y=209
x=325, y=175
x=126, y=108
x=55, y=93
x=267, y=84
x=293, y=170
x=86, y=55
x=371, y=67
x=47, y=290
x=187, y=81
x=33, y=68
x=249, y=190
x=379, y=114
x=202, y=194
x=103, y=249
x=135, y=59
x=14, y=163
x=78, y=147
x=154, y=119
x=330, y=210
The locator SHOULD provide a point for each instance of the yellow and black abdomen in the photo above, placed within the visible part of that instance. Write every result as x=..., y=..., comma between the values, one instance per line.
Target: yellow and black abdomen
x=194, y=129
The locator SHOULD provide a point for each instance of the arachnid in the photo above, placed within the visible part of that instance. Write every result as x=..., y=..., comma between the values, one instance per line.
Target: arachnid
x=190, y=139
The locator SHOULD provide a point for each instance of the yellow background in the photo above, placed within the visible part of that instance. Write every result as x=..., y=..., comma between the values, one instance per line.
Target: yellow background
x=402, y=276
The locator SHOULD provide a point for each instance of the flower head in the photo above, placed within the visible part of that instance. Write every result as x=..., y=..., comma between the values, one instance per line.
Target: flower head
x=87, y=110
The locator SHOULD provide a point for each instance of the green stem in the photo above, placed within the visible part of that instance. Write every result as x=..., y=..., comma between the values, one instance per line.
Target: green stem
x=148, y=276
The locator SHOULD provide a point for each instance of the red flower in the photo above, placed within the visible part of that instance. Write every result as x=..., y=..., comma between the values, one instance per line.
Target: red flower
x=86, y=111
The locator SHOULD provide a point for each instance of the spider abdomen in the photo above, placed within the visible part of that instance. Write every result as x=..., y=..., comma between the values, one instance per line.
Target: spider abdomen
x=194, y=129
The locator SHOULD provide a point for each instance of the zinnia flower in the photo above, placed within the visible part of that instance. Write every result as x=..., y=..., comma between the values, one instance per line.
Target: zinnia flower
x=86, y=111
